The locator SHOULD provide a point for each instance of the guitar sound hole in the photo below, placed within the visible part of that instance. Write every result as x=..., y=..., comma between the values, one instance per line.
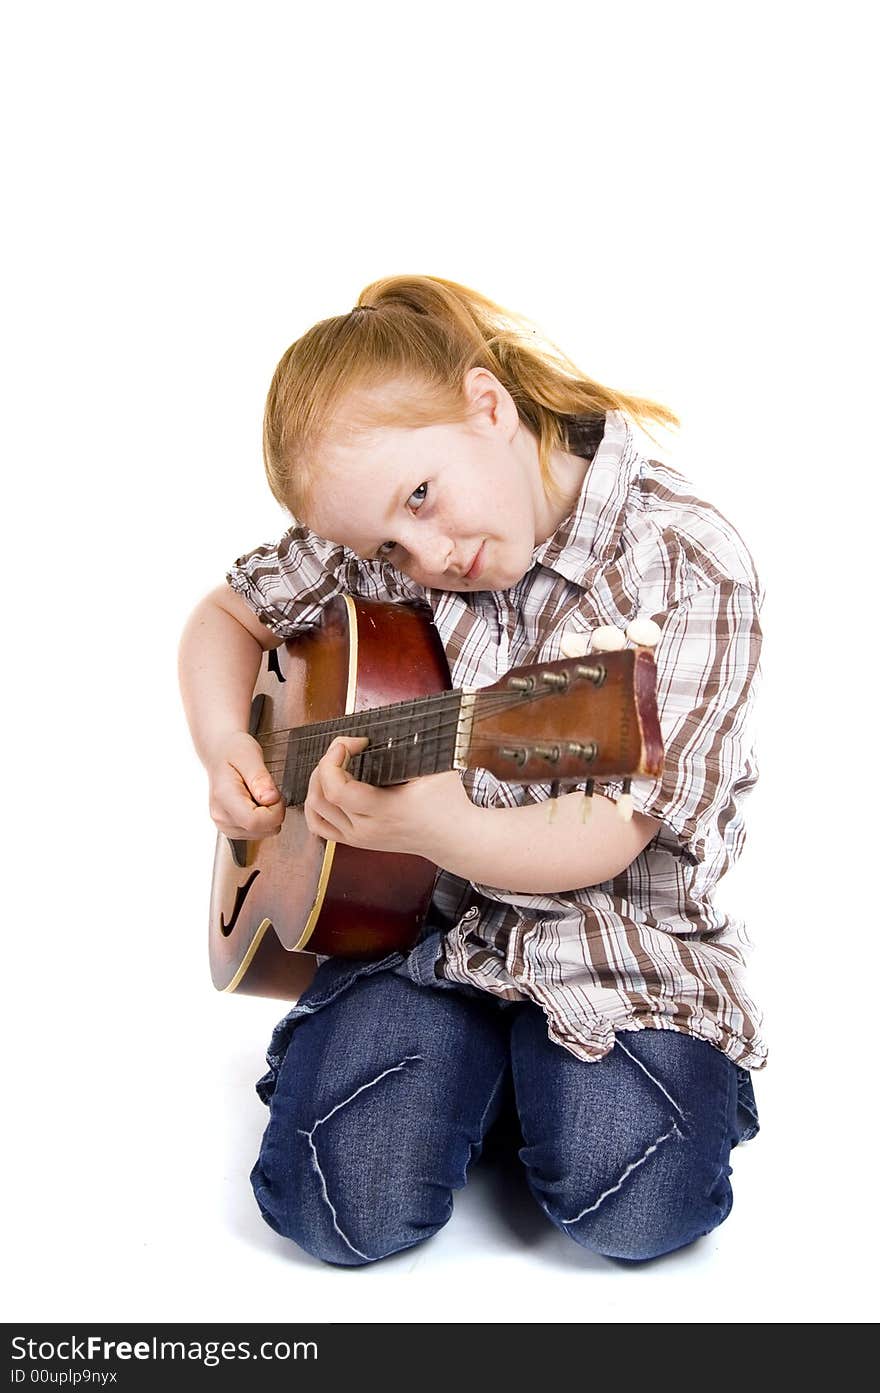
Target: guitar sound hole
x=241, y=895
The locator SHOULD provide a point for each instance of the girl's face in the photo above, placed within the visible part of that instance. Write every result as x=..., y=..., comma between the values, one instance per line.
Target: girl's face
x=455, y=507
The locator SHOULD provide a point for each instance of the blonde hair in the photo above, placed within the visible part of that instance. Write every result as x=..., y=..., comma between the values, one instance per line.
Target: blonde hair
x=422, y=337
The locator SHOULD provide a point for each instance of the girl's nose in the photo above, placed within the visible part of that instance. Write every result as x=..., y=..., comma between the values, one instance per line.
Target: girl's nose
x=434, y=554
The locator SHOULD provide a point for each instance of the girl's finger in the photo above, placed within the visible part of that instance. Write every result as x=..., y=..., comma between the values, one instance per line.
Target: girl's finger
x=325, y=820
x=330, y=778
x=340, y=751
x=320, y=802
x=320, y=828
x=347, y=795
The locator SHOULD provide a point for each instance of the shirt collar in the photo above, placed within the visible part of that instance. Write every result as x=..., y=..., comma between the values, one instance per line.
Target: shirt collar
x=587, y=538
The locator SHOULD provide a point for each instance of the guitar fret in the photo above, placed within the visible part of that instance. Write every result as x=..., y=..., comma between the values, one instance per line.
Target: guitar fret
x=408, y=747
x=436, y=743
x=415, y=748
x=398, y=749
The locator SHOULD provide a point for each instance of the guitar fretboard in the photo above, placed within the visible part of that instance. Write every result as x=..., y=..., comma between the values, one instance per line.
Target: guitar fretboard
x=407, y=740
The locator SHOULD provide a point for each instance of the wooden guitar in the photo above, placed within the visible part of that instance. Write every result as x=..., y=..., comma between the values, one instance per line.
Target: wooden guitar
x=378, y=669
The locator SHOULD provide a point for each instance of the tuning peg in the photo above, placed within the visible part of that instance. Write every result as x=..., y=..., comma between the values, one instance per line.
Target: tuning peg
x=607, y=639
x=587, y=804
x=574, y=645
x=554, y=794
x=625, y=802
x=595, y=673
x=518, y=753
x=644, y=632
x=548, y=752
x=588, y=751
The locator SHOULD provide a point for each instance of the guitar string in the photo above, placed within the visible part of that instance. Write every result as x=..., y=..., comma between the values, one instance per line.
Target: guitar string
x=428, y=702
x=490, y=704
x=386, y=751
x=429, y=743
x=374, y=732
x=373, y=754
x=407, y=777
x=429, y=709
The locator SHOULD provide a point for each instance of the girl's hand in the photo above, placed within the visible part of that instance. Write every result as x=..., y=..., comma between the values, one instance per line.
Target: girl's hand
x=243, y=798
x=424, y=817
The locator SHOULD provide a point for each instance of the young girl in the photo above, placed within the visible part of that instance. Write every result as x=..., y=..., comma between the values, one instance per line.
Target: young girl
x=573, y=968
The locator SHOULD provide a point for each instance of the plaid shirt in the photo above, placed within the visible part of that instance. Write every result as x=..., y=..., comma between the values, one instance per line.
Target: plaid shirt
x=648, y=949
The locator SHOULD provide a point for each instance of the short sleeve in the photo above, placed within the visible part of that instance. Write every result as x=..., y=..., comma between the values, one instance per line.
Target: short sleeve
x=287, y=583
x=708, y=672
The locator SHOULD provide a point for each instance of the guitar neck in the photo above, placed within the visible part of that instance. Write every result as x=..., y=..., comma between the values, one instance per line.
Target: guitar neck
x=563, y=721
x=407, y=739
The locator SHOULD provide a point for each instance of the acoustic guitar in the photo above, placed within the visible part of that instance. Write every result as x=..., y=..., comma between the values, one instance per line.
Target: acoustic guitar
x=379, y=669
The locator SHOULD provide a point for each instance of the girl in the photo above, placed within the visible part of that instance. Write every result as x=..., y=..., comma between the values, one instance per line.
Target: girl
x=572, y=969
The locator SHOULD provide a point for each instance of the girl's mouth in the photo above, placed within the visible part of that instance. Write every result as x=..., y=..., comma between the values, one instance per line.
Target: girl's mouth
x=476, y=565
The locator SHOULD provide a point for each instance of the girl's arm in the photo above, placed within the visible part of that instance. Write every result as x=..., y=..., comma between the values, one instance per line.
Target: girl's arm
x=544, y=848
x=220, y=652
x=218, y=660
x=541, y=848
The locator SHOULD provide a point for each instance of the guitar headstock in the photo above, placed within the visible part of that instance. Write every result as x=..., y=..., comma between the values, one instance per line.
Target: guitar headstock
x=566, y=721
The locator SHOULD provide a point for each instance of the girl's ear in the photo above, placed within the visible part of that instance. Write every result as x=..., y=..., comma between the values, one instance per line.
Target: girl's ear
x=489, y=401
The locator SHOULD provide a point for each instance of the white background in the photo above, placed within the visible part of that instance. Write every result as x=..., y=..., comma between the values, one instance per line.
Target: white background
x=680, y=196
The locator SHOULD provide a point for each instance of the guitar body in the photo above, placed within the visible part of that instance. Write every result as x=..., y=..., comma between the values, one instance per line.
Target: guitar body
x=277, y=902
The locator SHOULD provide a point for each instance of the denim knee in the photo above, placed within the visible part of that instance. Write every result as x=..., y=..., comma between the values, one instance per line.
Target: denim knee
x=288, y=1207
x=377, y=1102
x=671, y=1189
x=638, y=1222
x=357, y=1184
x=628, y=1155
x=354, y=1185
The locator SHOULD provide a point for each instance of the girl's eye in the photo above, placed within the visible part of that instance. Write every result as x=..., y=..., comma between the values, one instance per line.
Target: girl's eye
x=417, y=498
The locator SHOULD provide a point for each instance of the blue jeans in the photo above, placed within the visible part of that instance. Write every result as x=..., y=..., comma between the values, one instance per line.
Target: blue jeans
x=380, y=1101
